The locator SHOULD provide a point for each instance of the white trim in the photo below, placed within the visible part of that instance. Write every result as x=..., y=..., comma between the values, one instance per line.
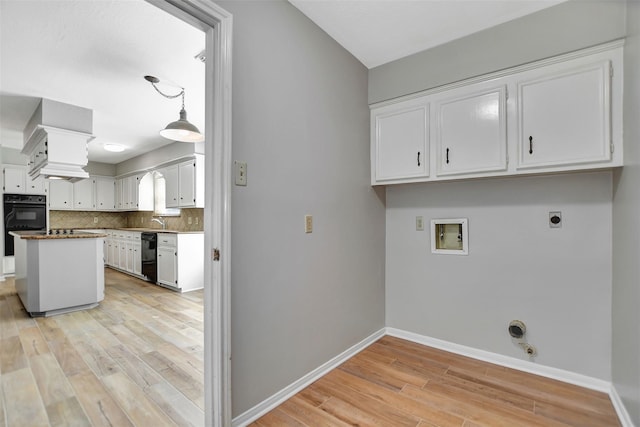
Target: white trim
x=270, y=403
x=506, y=361
x=621, y=410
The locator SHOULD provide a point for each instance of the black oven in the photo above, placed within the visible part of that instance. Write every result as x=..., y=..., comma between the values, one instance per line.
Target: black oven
x=23, y=212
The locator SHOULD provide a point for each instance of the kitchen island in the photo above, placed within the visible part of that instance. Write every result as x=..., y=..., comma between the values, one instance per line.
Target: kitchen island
x=58, y=273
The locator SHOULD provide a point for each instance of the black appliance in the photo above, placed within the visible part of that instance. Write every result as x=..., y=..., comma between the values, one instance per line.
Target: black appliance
x=23, y=212
x=149, y=242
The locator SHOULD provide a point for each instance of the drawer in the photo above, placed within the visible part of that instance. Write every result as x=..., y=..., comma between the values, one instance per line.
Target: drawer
x=166, y=239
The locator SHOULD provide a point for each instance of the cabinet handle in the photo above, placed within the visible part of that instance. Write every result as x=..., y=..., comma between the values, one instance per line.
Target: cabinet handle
x=530, y=145
x=418, y=158
x=447, y=156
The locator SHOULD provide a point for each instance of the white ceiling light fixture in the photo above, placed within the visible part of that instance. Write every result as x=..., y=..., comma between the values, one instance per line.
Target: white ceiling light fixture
x=114, y=148
x=181, y=130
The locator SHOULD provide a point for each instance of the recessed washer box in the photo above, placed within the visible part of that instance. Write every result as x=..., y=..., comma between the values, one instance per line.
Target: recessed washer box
x=450, y=236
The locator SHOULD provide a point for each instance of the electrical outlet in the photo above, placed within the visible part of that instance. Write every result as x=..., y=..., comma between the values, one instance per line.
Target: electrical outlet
x=308, y=223
x=419, y=223
x=190, y=221
x=141, y=220
x=95, y=219
x=197, y=220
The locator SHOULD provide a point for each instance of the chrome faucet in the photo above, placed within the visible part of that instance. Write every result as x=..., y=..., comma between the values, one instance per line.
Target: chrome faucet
x=160, y=221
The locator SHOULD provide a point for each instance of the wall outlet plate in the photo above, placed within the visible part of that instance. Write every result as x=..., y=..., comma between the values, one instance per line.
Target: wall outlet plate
x=308, y=223
x=419, y=223
x=555, y=219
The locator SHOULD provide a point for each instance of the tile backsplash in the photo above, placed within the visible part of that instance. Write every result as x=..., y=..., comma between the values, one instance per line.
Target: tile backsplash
x=189, y=220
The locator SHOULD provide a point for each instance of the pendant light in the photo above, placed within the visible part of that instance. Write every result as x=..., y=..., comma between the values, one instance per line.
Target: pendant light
x=180, y=130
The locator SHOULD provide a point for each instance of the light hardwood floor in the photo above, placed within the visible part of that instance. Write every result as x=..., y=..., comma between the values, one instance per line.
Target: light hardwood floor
x=136, y=360
x=398, y=383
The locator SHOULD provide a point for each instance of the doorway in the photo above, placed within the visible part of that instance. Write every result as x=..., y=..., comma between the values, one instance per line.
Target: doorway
x=217, y=24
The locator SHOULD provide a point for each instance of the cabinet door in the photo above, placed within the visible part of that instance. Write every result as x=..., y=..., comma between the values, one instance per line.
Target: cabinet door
x=171, y=186
x=60, y=195
x=130, y=257
x=187, y=184
x=400, y=142
x=105, y=193
x=14, y=179
x=471, y=131
x=122, y=259
x=83, y=194
x=564, y=118
x=114, y=253
x=36, y=186
x=133, y=192
x=167, y=262
x=137, y=258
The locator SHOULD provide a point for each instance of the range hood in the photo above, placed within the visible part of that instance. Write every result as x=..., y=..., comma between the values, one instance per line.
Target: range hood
x=55, y=139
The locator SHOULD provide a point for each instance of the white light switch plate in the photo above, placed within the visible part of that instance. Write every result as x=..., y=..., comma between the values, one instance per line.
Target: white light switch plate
x=241, y=173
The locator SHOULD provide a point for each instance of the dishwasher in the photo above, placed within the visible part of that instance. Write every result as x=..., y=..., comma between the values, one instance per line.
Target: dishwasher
x=149, y=243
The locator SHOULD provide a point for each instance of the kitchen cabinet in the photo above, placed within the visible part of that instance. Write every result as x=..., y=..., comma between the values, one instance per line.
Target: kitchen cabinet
x=471, y=130
x=60, y=195
x=172, y=187
x=564, y=116
x=560, y=114
x=105, y=193
x=181, y=261
x=83, y=194
x=400, y=147
x=14, y=179
x=184, y=184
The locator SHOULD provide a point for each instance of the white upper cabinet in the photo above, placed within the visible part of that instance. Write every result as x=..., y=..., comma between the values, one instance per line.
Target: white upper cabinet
x=172, y=188
x=36, y=186
x=105, y=193
x=15, y=181
x=400, y=148
x=83, y=194
x=471, y=131
x=564, y=116
x=555, y=115
x=60, y=195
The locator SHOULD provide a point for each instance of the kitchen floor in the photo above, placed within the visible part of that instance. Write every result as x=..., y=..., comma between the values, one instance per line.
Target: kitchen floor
x=135, y=360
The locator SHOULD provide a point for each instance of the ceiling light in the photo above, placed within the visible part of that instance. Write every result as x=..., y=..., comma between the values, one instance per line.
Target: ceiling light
x=114, y=148
x=180, y=130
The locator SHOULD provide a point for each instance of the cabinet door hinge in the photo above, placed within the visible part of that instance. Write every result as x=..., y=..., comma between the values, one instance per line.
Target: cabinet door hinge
x=506, y=93
x=610, y=70
x=611, y=147
x=215, y=254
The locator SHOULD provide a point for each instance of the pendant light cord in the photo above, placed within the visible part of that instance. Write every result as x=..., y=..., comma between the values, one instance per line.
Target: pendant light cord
x=169, y=96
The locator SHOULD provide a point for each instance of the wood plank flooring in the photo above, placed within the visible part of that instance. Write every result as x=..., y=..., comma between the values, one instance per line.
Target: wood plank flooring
x=398, y=383
x=135, y=360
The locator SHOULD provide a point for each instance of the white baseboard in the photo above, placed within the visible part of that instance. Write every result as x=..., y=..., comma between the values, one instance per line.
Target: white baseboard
x=621, y=410
x=506, y=361
x=293, y=388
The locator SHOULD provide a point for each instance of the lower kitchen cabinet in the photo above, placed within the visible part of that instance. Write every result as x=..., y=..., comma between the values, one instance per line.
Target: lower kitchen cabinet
x=181, y=261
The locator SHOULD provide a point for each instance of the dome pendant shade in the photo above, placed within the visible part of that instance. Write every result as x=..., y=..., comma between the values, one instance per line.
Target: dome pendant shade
x=181, y=130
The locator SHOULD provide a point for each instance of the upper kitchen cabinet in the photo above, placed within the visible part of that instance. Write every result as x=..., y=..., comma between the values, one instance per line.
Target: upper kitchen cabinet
x=471, y=130
x=555, y=115
x=60, y=195
x=14, y=179
x=184, y=184
x=84, y=194
x=105, y=188
x=564, y=114
x=132, y=193
x=400, y=142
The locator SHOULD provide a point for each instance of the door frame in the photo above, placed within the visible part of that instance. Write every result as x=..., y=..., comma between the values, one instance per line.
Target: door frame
x=216, y=23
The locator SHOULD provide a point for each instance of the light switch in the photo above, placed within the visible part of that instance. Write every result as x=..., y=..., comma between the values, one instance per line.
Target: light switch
x=241, y=173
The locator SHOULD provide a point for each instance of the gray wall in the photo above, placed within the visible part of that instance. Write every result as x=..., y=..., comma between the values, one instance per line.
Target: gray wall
x=563, y=28
x=301, y=122
x=626, y=233
x=558, y=281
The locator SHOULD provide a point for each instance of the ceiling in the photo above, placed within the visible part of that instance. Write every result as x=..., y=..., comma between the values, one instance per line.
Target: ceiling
x=94, y=54
x=381, y=31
